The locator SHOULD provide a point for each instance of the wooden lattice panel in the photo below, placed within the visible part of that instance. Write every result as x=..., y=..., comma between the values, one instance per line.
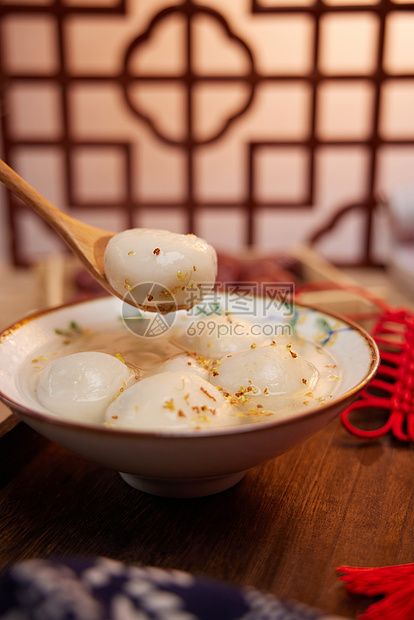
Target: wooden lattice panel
x=246, y=122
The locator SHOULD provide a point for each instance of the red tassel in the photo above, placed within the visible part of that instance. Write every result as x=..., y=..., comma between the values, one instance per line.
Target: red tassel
x=394, y=583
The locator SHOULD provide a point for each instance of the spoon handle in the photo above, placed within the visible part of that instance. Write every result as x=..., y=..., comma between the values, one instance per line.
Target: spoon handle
x=86, y=242
x=62, y=223
x=51, y=214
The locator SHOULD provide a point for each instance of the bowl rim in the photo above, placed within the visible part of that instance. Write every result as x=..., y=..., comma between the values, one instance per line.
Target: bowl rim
x=311, y=412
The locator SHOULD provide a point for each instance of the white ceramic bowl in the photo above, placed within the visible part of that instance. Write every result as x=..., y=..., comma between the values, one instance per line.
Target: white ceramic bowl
x=183, y=463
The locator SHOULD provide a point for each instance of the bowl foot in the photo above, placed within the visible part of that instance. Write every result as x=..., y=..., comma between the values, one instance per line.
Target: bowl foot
x=183, y=487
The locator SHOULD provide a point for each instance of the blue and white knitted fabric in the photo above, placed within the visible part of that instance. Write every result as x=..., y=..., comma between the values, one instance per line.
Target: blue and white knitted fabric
x=103, y=589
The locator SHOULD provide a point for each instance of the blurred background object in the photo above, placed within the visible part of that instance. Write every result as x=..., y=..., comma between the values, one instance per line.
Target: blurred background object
x=401, y=257
x=252, y=123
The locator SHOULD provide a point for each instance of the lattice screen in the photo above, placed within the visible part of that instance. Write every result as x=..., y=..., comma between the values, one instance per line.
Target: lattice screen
x=247, y=122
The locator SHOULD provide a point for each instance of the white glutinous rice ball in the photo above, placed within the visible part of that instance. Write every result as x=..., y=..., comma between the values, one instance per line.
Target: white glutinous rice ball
x=270, y=370
x=80, y=386
x=171, y=400
x=159, y=268
x=214, y=335
x=185, y=363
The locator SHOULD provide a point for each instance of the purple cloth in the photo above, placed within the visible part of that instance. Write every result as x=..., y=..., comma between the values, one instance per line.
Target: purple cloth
x=103, y=589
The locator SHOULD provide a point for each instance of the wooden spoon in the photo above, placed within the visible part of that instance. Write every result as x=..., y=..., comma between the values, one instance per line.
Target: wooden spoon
x=88, y=243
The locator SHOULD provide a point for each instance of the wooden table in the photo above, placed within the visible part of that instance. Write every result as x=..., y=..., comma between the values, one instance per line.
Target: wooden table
x=285, y=527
